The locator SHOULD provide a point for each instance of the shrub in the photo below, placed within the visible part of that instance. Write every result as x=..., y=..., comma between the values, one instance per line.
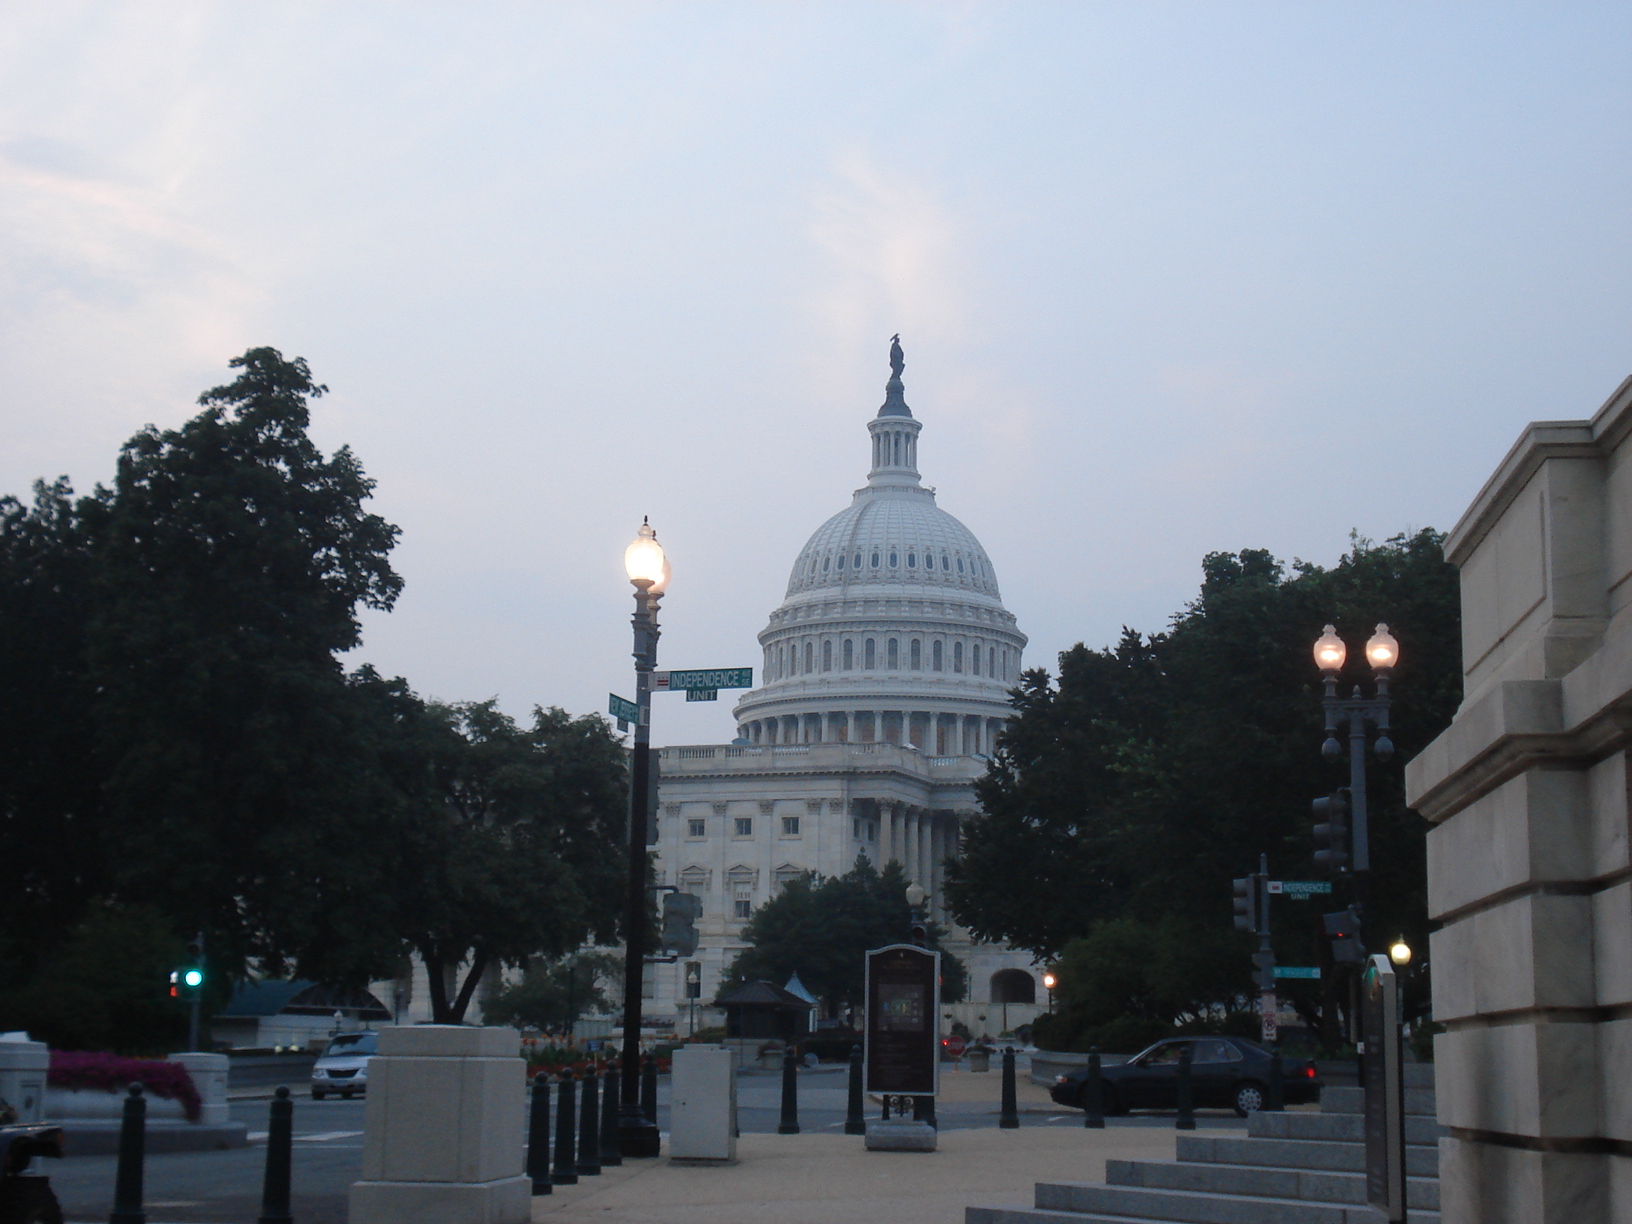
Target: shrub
x=110, y=1073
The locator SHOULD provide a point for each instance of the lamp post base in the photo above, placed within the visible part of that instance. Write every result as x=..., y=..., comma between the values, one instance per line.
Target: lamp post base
x=637, y=1136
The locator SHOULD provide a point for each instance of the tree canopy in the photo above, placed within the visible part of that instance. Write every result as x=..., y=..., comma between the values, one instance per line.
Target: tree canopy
x=822, y=928
x=1146, y=776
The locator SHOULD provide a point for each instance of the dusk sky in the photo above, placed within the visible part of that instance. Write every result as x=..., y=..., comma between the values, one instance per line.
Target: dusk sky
x=1170, y=278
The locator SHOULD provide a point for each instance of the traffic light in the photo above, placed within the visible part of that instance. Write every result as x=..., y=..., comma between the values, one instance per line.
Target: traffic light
x=680, y=914
x=186, y=982
x=1343, y=929
x=1332, y=831
x=1246, y=904
x=1263, y=963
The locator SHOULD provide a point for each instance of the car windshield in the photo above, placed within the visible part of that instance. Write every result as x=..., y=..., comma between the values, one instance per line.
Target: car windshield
x=352, y=1043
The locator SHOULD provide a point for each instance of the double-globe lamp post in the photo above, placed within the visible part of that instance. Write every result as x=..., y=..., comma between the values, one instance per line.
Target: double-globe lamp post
x=648, y=570
x=1382, y=652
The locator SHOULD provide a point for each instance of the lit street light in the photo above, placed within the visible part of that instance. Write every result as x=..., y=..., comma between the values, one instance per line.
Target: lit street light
x=1400, y=952
x=648, y=570
x=1049, y=981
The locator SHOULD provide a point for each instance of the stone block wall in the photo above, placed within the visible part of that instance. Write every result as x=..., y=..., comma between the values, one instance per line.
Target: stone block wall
x=1528, y=864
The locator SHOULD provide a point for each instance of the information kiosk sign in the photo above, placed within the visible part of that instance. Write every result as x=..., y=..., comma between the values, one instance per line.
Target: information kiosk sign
x=1383, y=1079
x=902, y=1052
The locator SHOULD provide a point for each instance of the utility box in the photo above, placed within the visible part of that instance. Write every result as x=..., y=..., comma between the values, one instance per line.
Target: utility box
x=703, y=1113
x=23, y=1064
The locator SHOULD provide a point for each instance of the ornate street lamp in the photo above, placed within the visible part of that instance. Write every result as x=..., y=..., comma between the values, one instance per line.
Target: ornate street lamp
x=1382, y=652
x=648, y=570
x=1400, y=952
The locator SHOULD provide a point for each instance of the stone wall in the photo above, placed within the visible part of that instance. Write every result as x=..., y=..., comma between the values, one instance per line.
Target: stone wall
x=1528, y=868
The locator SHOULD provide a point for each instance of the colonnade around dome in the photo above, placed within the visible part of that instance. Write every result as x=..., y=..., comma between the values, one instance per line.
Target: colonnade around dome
x=928, y=731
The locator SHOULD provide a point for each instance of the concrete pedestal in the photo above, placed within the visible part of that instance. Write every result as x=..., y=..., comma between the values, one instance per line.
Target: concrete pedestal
x=209, y=1072
x=902, y=1136
x=703, y=1118
x=23, y=1065
x=443, y=1131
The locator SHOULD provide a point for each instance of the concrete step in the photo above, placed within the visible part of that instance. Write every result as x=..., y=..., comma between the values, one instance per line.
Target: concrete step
x=1191, y=1206
x=1305, y=1185
x=1341, y=1128
x=1419, y=1102
x=1420, y=1161
x=1035, y=1215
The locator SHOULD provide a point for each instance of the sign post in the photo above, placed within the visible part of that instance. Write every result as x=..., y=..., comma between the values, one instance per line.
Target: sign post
x=1383, y=1078
x=901, y=1051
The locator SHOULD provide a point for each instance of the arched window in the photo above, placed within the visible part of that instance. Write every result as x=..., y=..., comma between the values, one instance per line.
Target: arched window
x=826, y=561
x=991, y=662
x=1005, y=671
x=1013, y=986
x=875, y=560
x=893, y=652
x=869, y=655
x=810, y=657
x=841, y=560
x=917, y=655
x=957, y=656
x=827, y=656
x=960, y=565
x=935, y=656
x=912, y=560
x=894, y=560
x=849, y=654
x=946, y=563
x=857, y=563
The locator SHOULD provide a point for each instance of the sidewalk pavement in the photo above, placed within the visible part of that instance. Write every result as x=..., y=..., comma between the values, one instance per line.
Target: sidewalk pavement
x=816, y=1179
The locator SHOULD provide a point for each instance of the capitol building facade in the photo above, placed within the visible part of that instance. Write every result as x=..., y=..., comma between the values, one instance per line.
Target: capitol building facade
x=885, y=679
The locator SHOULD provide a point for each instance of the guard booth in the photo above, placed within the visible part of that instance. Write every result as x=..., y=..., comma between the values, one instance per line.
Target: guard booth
x=762, y=1014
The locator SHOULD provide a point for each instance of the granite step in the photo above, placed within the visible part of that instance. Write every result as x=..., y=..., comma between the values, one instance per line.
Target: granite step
x=1419, y=1102
x=1038, y=1215
x=1334, y=1127
x=1307, y=1185
x=1193, y=1206
x=1420, y=1160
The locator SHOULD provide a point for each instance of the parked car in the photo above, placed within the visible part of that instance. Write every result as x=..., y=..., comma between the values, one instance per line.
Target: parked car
x=1225, y=1072
x=26, y=1198
x=342, y=1068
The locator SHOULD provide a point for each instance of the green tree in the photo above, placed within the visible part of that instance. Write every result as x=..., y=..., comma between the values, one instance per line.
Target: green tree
x=511, y=845
x=822, y=928
x=553, y=994
x=1150, y=774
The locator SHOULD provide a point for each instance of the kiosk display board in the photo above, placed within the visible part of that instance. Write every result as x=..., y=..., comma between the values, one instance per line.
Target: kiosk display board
x=1383, y=1080
x=902, y=1049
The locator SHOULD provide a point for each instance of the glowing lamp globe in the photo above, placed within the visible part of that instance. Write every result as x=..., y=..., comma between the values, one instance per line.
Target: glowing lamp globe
x=1382, y=650
x=644, y=561
x=1330, y=651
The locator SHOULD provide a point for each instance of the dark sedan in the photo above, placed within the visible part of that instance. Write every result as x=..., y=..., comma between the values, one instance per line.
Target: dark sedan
x=1225, y=1072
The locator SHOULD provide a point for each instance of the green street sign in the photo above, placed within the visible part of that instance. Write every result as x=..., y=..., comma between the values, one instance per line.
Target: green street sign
x=623, y=711
x=702, y=694
x=1297, y=971
x=711, y=678
x=1300, y=889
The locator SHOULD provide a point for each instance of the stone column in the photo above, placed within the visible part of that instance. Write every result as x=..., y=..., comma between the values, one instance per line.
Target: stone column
x=442, y=1131
x=1528, y=865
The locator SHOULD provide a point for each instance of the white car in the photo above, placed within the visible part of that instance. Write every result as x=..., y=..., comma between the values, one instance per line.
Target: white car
x=343, y=1068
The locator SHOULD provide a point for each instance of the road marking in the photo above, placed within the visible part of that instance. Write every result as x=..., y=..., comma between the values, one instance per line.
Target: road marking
x=325, y=1136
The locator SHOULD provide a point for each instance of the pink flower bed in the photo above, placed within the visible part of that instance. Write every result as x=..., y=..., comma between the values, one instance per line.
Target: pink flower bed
x=110, y=1073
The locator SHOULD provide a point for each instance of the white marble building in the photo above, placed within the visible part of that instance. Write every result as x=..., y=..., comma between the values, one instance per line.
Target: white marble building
x=885, y=679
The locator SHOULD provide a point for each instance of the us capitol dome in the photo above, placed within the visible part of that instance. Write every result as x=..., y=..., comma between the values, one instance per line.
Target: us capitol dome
x=893, y=629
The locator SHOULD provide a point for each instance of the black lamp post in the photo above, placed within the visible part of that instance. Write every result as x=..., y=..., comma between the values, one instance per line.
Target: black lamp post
x=648, y=570
x=918, y=932
x=1382, y=652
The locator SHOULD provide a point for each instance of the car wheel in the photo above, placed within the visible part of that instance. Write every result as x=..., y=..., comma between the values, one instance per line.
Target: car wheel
x=318, y=1096
x=28, y=1200
x=1249, y=1098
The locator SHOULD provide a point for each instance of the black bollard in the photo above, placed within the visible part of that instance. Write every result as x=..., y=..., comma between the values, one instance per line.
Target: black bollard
x=1187, y=1111
x=566, y=1155
x=611, y=1156
x=1008, y=1117
x=923, y=1110
x=127, y=1182
x=280, y=1134
x=789, y=1122
x=648, y=1089
x=589, y=1129
x=1275, y=1093
x=854, y=1121
x=538, y=1136
x=1093, y=1092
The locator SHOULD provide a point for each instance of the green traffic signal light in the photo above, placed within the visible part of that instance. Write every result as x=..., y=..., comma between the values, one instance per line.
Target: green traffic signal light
x=193, y=978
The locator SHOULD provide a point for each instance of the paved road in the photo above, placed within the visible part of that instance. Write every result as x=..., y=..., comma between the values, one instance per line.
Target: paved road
x=225, y=1187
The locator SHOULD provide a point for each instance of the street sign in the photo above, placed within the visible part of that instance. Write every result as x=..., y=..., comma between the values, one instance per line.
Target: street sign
x=702, y=694
x=1297, y=971
x=624, y=711
x=1300, y=890
x=712, y=678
